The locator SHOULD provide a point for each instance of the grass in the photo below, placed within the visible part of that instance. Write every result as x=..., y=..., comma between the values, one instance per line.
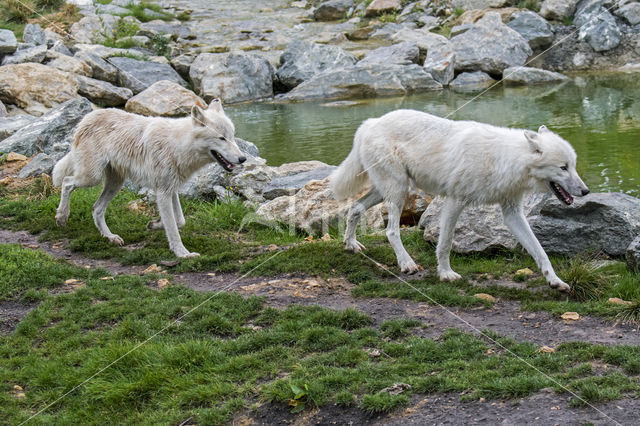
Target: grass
x=533, y=5
x=54, y=14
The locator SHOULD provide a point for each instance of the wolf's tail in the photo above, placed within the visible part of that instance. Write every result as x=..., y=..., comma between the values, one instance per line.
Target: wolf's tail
x=349, y=178
x=62, y=169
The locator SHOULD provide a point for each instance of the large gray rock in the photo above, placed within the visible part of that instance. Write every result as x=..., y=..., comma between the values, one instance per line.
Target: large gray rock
x=3, y=110
x=30, y=54
x=10, y=125
x=301, y=60
x=533, y=28
x=518, y=76
x=102, y=93
x=87, y=30
x=380, y=7
x=52, y=133
x=633, y=255
x=34, y=34
x=60, y=47
x=332, y=10
x=489, y=46
x=597, y=26
x=422, y=37
x=169, y=30
x=440, y=63
x=164, y=98
x=630, y=12
x=403, y=53
x=558, y=9
x=8, y=42
x=232, y=77
x=139, y=75
x=478, y=4
x=365, y=81
x=182, y=64
x=290, y=184
x=603, y=221
x=67, y=63
x=41, y=163
x=111, y=9
x=101, y=69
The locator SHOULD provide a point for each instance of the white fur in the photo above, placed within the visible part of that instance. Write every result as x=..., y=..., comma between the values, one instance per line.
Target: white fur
x=466, y=161
x=160, y=153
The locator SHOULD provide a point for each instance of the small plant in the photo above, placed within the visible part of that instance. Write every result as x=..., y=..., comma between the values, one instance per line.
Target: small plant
x=567, y=21
x=299, y=400
x=458, y=12
x=184, y=16
x=629, y=313
x=160, y=45
x=388, y=17
x=533, y=5
x=586, y=282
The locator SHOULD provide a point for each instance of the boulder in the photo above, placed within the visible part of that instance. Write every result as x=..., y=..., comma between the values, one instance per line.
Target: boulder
x=365, y=81
x=489, y=46
x=52, y=133
x=67, y=63
x=3, y=110
x=164, y=98
x=8, y=42
x=440, y=63
x=533, y=28
x=597, y=26
x=557, y=9
x=301, y=60
x=87, y=30
x=172, y=31
x=139, y=75
x=182, y=64
x=102, y=93
x=403, y=53
x=36, y=87
x=602, y=221
x=30, y=54
x=41, y=163
x=111, y=9
x=51, y=38
x=10, y=125
x=380, y=7
x=633, y=255
x=471, y=81
x=60, y=47
x=630, y=12
x=518, y=76
x=232, y=77
x=332, y=10
x=459, y=29
x=34, y=34
x=100, y=68
x=478, y=4
x=291, y=183
x=422, y=37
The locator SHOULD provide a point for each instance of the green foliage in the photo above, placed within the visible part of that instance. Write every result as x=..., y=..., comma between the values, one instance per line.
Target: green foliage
x=49, y=4
x=533, y=5
x=458, y=12
x=160, y=45
x=17, y=11
x=141, y=12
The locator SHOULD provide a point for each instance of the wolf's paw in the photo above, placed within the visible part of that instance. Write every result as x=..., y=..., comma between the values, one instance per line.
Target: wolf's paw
x=184, y=253
x=409, y=267
x=61, y=220
x=353, y=246
x=153, y=225
x=448, y=275
x=560, y=285
x=191, y=254
x=115, y=239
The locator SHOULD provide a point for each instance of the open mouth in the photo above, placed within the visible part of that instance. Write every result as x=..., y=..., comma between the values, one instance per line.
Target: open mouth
x=561, y=193
x=227, y=165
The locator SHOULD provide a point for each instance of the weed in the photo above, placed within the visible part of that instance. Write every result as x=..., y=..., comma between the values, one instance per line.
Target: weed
x=160, y=45
x=533, y=5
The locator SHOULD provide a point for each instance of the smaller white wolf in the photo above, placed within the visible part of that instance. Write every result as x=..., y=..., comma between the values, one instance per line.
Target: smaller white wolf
x=159, y=153
x=466, y=161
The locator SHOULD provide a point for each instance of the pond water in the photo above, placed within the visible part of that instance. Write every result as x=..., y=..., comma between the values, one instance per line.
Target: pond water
x=599, y=115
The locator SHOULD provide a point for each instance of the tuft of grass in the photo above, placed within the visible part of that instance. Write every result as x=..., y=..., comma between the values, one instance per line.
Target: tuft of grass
x=586, y=282
x=49, y=4
x=533, y=5
x=140, y=11
x=629, y=313
x=382, y=403
x=17, y=11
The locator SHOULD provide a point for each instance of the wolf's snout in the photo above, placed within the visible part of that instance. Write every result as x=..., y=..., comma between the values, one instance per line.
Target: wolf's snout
x=585, y=191
x=243, y=159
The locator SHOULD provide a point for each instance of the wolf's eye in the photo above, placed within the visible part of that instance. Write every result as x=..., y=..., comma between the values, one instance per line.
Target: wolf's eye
x=565, y=168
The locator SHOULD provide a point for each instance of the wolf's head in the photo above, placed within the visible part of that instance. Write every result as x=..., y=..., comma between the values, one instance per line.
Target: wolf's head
x=213, y=135
x=554, y=164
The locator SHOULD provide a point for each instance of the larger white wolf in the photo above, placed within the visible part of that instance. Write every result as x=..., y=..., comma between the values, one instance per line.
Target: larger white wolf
x=160, y=153
x=466, y=161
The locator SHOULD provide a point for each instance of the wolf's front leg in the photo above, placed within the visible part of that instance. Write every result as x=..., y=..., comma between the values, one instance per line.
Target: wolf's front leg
x=514, y=219
x=165, y=206
x=448, y=217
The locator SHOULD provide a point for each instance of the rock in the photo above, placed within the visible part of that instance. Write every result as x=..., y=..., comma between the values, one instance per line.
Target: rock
x=599, y=222
x=525, y=272
x=533, y=28
x=597, y=26
x=440, y=63
x=232, y=77
x=403, y=53
x=630, y=12
x=618, y=301
x=166, y=99
x=59, y=47
x=51, y=38
x=365, y=81
x=422, y=37
x=516, y=76
x=471, y=81
x=301, y=60
x=557, y=9
x=8, y=42
x=288, y=183
x=34, y=34
x=570, y=316
x=478, y=4
x=10, y=125
x=332, y=10
x=101, y=69
x=139, y=75
x=103, y=93
x=489, y=46
x=182, y=64
x=546, y=350
x=87, y=30
x=52, y=133
x=68, y=64
x=31, y=54
x=313, y=209
x=172, y=31
x=41, y=163
x=633, y=255
x=14, y=156
x=36, y=87
x=485, y=296
x=3, y=110
x=111, y=9
x=380, y=7
x=459, y=29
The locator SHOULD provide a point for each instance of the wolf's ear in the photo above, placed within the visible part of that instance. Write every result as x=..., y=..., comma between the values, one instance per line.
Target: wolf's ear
x=534, y=141
x=197, y=116
x=216, y=105
x=543, y=129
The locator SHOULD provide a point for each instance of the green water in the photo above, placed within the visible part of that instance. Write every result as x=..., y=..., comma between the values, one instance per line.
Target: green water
x=599, y=115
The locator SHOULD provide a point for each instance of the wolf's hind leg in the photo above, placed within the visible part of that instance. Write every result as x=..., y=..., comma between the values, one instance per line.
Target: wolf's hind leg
x=448, y=218
x=369, y=200
x=62, y=213
x=165, y=205
x=112, y=184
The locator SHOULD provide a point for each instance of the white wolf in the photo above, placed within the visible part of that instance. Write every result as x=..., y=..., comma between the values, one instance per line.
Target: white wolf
x=466, y=161
x=160, y=153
